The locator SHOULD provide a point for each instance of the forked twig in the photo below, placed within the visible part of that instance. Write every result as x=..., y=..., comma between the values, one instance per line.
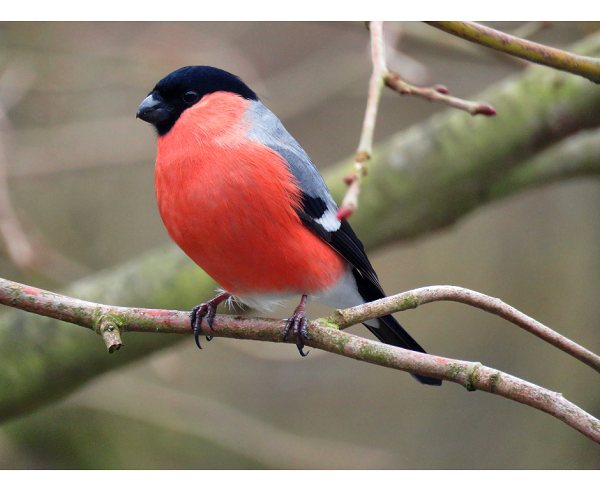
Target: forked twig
x=381, y=77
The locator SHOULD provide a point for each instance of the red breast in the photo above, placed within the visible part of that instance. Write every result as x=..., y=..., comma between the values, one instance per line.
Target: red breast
x=230, y=202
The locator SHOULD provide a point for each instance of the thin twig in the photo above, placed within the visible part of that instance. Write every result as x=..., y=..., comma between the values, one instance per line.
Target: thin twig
x=325, y=335
x=536, y=53
x=365, y=146
x=421, y=296
x=439, y=94
x=381, y=77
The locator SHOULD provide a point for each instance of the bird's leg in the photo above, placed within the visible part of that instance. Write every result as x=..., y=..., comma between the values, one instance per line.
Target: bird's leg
x=297, y=324
x=205, y=310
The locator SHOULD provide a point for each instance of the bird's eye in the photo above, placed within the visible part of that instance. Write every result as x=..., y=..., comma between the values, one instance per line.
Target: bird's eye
x=190, y=97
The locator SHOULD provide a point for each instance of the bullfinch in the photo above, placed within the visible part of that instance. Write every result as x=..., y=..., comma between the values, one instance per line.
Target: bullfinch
x=244, y=201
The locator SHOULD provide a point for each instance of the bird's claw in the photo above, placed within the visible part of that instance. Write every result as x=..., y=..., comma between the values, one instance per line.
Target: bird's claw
x=296, y=324
x=206, y=311
x=198, y=313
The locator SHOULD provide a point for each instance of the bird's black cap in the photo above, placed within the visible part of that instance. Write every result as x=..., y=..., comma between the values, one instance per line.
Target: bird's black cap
x=182, y=89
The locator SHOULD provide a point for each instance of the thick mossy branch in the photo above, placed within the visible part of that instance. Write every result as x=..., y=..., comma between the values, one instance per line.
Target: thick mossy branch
x=576, y=156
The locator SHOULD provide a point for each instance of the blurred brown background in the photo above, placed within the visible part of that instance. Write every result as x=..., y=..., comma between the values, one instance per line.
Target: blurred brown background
x=80, y=177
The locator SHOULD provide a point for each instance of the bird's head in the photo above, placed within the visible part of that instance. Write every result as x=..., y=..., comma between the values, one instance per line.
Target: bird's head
x=182, y=89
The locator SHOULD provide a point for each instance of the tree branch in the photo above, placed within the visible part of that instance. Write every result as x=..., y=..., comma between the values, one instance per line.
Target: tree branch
x=325, y=335
x=509, y=44
x=43, y=360
x=416, y=297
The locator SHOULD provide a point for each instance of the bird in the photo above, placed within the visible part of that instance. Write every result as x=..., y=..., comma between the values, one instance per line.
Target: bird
x=244, y=201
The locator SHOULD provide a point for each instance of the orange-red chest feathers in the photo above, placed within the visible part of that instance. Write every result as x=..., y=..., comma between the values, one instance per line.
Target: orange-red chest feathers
x=230, y=204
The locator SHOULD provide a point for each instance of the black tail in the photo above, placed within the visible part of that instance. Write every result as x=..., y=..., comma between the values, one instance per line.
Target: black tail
x=345, y=242
x=389, y=331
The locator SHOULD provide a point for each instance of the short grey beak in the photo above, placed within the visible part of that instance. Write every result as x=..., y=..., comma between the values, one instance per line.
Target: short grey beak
x=152, y=110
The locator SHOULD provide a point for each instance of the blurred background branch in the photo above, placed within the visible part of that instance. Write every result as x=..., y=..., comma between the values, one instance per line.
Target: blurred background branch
x=25, y=249
x=16, y=243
